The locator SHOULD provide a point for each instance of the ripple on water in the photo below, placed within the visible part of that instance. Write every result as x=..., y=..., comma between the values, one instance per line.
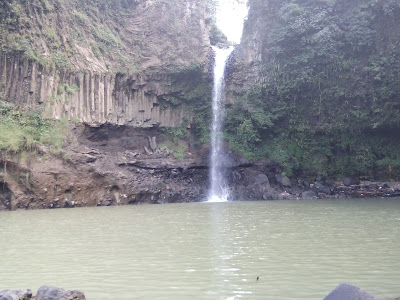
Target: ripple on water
x=297, y=250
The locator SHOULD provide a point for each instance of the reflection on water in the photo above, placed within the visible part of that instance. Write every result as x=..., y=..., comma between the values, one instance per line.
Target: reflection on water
x=300, y=250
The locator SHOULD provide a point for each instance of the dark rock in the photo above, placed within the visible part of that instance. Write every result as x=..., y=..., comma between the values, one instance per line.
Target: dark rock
x=372, y=186
x=53, y=293
x=284, y=196
x=308, y=195
x=15, y=294
x=321, y=178
x=261, y=179
x=283, y=180
x=347, y=291
x=260, y=189
x=322, y=188
x=347, y=181
x=385, y=186
x=228, y=160
x=236, y=177
x=243, y=162
x=270, y=195
x=296, y=190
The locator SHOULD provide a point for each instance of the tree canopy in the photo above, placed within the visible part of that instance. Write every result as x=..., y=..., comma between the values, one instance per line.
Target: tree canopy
x=327, y=96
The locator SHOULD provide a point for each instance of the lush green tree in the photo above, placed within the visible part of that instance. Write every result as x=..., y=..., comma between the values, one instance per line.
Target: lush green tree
x=329, y=85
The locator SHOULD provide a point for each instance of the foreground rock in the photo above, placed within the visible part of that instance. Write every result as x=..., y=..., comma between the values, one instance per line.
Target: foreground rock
x=15, y=294
x=346, y=291
x=53, y=293
x=44, y=293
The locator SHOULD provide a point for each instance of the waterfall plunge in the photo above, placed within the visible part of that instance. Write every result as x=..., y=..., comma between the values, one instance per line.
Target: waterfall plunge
x=219, y=190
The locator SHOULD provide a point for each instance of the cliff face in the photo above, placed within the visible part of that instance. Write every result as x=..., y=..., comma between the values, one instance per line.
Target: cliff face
x=125, y=36
x=138, y=100
x=130, y=76
x=103, y=166
x=313, y=86
x=100, y=63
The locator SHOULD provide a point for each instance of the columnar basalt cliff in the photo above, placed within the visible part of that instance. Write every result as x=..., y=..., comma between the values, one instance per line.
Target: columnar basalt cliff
x=120, y=73
x=116, y=66
x=138, y=100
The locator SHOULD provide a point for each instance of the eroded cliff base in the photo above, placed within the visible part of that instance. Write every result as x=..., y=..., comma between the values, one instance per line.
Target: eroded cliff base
x=104, y=166
x=120, y=165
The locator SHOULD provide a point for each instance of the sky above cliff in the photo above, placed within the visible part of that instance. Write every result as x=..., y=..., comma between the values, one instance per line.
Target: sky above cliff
x=230, y=18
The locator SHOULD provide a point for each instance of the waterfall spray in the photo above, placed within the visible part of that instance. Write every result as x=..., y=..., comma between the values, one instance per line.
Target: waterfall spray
x=219, y=190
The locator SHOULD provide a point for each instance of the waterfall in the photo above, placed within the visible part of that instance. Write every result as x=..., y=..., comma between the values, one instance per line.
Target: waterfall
x=219, y=190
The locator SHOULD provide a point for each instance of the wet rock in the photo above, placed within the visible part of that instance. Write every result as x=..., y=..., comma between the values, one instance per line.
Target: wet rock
x=270, y=195
x=283, y=180
x=228, y=160
x=5, y=197
x=15, y=294
x=347, y=291
x=54, y=293
x=284, y=196
x=308, y=194
x=69, y=204
x=322, y=188
x=236, y=177
x=347, y=181
x=260, y=187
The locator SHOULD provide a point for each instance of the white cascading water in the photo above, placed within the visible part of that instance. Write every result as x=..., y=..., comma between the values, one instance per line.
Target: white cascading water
x=219, y=191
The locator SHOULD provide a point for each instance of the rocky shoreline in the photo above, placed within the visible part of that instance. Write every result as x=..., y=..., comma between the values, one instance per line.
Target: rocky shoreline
x=109, y=166
x=43, y=293
x=343, y=291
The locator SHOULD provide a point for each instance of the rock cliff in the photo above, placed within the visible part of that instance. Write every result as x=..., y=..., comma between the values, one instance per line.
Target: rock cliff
x=109, y=104
x=116, y=74
x=313, y=87
x=137, y=100
x=100, y=63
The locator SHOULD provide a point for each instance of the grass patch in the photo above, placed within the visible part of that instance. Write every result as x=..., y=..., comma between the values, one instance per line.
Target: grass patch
x=23, y=130
x=52, y=36
x=177, y=147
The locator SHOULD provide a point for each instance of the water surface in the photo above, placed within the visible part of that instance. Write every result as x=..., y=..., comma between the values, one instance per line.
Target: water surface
x=299, y=249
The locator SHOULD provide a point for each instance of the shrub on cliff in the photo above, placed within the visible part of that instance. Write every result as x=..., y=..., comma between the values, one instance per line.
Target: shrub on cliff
x=23, y=131
x=328, y=82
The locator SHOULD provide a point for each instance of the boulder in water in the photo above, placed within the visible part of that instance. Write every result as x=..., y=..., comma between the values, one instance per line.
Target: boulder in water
x=346, y=291
x=54, y=293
